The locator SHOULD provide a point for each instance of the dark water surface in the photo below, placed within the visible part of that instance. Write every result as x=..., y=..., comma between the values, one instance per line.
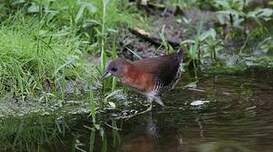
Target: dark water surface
x=237, y=118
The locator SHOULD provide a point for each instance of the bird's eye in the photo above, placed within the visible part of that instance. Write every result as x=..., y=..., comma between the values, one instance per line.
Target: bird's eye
x=114, y=69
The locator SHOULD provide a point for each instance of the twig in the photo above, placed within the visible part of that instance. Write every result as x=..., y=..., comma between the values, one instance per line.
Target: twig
x=152, y=39
x=138, y=56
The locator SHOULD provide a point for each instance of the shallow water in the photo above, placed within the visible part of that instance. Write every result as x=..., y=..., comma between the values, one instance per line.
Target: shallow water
x=238, y=117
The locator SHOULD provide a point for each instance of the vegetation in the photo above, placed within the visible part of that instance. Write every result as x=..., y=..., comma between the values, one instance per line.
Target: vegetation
x=239, y=23
x=54, y=50
x=46, y=45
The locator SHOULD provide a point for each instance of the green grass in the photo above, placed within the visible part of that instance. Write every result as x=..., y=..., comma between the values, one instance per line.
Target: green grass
x=33, y=51
x=34, y=132
x=44, y=45
x=44, y=42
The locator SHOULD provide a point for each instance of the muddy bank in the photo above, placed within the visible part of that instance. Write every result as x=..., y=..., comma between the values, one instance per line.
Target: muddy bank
x=168, y=28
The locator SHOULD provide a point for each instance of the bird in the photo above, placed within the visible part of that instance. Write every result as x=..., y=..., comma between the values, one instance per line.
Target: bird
x=150, y=76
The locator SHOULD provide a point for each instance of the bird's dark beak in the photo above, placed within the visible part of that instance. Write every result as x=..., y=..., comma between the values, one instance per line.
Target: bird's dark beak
x=106, y=75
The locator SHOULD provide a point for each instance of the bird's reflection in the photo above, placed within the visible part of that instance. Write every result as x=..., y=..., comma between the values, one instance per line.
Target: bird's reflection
x=151, y=128
x=145, y=141
x=149, y=139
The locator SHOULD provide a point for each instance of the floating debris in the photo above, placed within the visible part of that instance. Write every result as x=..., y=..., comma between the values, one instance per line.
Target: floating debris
x=199, y=102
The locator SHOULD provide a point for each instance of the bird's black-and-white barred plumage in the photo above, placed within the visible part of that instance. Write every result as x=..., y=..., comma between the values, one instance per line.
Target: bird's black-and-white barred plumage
x=160, y=86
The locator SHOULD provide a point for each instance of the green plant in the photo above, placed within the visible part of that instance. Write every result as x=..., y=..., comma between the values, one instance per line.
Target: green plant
x=194, y=47
x=211, y=45
x=236, y=14
x=182, y=3
x=33, y=52
x=205, y=45
x=260, y=14
x=61, y=33
x=167, y=47
x=106, y=36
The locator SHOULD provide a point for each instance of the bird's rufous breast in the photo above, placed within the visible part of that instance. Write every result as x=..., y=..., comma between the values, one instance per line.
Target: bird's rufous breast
x=138, y=79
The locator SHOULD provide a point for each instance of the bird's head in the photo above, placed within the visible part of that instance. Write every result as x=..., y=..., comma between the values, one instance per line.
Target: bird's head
x=117, y=68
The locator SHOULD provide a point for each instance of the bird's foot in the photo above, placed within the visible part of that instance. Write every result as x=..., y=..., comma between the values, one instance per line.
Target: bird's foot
x=147, y=110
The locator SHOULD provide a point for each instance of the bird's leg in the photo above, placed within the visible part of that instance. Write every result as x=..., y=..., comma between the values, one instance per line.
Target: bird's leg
x=158, y=100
